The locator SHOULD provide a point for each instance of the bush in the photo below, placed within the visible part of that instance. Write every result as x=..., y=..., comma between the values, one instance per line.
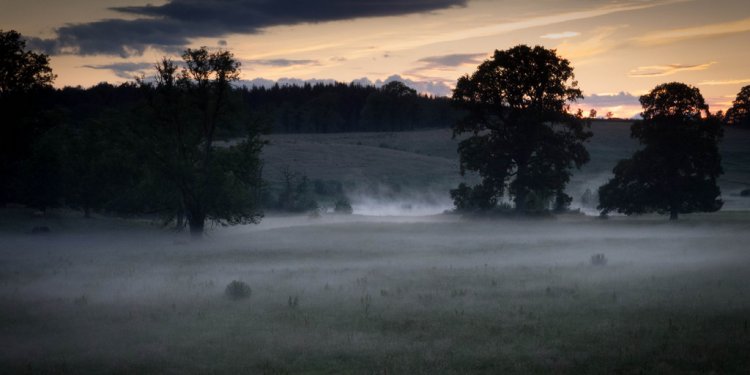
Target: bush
x=343, y=207
x=598, y=260
x=237, y=290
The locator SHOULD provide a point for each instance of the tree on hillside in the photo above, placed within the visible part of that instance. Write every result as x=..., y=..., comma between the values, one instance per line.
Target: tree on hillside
x=522, y=140
x=198, y=180
x=390, y=108
x=739, y=114
x=677, y=168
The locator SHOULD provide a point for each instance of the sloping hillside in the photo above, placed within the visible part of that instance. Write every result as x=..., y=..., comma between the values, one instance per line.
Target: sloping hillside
x=411, y=163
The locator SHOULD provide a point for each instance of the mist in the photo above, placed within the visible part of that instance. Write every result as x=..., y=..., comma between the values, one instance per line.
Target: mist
x=413, y=289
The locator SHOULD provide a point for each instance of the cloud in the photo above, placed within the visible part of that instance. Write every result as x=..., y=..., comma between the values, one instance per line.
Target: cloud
x=282, y=62
x=666, y=70
x=430, y=87
x=725, y=82
x=562, y=35
x=126, y=70
x=451, y=35
x=611, y=100
x=452, y=60
x=597, y=43
x=622, y=104
x=690, y=33
x=169, y=27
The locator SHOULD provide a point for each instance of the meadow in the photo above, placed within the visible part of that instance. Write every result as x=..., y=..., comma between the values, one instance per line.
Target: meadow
x=377, y=295
x=362, y=294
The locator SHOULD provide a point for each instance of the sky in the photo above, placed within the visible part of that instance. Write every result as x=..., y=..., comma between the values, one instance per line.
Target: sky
x=620, y=49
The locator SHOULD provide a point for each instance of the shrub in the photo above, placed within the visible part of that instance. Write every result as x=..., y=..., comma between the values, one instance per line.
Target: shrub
x=237, y=290
x=343, y=207
x=598, y=260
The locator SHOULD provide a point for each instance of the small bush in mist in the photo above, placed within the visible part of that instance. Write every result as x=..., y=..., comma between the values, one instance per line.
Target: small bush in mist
x=598, y=260
x=40, y=230
x=343, y=207
x=237, y=290
x=293, y=302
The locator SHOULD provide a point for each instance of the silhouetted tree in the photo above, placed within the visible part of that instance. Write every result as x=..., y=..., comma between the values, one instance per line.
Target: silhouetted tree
x=25, y=80
x=739, y=114
x=21, y=70
x=522, y=137
x=186, y=108
x=677, y=168
x=392, y=107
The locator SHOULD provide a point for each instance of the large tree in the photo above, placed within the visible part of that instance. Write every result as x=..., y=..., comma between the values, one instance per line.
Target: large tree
x=192, y=177
x=676, y=170
x=522, y=139
x=739, y=114
x=25, y=81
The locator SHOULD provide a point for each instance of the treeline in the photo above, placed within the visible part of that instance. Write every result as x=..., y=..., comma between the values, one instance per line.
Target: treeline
x=339, y=107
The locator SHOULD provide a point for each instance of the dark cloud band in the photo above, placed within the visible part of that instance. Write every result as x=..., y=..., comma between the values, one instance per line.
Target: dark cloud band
x=126, y=70
x=170, y=26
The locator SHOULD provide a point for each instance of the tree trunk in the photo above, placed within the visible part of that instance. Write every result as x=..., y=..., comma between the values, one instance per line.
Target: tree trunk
x=520, y=201
x=521, y=192
x=196, y=223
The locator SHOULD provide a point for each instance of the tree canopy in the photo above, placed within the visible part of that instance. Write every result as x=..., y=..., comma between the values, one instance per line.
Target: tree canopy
x=198, y=179
x=20, y=69
x=27, y=114
x=522, y=139
x=739, y=113
x=676, y=170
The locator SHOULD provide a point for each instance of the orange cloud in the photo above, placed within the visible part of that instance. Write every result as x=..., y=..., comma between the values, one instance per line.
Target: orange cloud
x=725, y=82
x=676, y=35
x=666, y=70
x=562, y=35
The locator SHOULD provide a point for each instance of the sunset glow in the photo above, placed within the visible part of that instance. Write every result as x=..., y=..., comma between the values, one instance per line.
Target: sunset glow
x=625, y=47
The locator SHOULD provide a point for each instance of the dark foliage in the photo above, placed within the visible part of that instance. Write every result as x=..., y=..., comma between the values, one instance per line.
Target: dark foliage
x=739, y=114
x=20, y=69
x=522, y=139
x=185, y=108
x=343, y=206
x=26, y=105
x=677, y=168
x=237, y=290
x=328, y=108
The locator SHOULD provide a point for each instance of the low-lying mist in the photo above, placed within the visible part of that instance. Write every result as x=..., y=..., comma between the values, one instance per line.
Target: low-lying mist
x=360, y=294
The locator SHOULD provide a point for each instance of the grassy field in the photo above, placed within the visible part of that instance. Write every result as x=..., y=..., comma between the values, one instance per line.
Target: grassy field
x=386, y=295
x=365, y=295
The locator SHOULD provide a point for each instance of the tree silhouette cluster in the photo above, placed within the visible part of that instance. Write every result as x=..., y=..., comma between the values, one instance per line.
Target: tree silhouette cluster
x=523, y=142
x=147, y=147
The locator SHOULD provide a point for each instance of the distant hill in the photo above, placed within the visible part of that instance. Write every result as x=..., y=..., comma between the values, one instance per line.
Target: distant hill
x=409, y=164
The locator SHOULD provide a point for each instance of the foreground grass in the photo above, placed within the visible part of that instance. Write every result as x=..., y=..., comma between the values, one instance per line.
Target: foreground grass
x=444, y=296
